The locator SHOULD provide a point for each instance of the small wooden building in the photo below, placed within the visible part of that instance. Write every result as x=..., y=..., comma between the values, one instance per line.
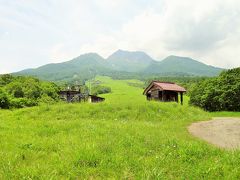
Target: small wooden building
x=71, y=95
x=95, y=99
x=76, y=96
x=164, y=91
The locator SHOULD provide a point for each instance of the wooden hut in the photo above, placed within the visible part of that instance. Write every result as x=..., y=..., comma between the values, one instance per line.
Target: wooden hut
x=164, y=91
x=70, y=95
x=77, y=96
x=95, y=99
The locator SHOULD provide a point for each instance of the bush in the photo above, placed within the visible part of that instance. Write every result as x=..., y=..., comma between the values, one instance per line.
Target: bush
x=100, y=90
x=4, y=99
x=5, y=79
x=45, y=99
x=22, y=102
x=26, y=91
x=50, y=89
x=15, y=89
x=218, y=94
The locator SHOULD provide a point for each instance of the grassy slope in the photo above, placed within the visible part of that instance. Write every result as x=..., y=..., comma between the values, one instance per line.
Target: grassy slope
x=225, y=114
x=126, y=136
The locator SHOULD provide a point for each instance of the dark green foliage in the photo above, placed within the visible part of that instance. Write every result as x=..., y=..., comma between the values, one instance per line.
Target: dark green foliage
x=15, y=89
x=218, y=94
x=22, y=102
x=18, y=92
x=49, y=89
x=99, y=89
x=4, y=100
x=5, y=79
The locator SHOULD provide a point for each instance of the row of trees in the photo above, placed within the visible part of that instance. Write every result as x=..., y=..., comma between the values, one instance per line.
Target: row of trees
x=18, y=92
x=218, y=94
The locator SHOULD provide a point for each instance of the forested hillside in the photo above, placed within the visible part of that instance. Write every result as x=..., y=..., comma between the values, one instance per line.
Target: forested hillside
x=218, y=94
x=182, y=65
x=80, y=68
x=120, y=65
x=17, y=92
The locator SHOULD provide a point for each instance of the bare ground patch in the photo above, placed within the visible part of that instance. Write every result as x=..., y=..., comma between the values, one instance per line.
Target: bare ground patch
x=223, y=132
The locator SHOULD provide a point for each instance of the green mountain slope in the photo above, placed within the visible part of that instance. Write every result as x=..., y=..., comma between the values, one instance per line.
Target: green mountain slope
x=182, y=65
x=120, y=64
x=129, y=61
x=84, y=66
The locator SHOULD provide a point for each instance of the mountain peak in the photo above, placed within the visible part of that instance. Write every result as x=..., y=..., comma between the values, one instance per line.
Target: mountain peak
x=122, y=61
x=120, y=51
x=90, y=54
x=177, y=64
x=180, y=59
x=130, y=61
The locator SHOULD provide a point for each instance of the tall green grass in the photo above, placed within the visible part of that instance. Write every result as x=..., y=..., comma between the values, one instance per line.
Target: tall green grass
x=225, y=114
x=126, y=137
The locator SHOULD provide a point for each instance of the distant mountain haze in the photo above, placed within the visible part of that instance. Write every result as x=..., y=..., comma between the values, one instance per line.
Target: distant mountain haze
x=121, y=61
x=176, y=64
x=84, y=65
x=129, y=61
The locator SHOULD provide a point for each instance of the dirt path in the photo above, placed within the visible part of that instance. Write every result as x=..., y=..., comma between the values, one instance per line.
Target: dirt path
x=223, y=132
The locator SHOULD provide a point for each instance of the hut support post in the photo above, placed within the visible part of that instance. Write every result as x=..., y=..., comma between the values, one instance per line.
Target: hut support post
x=162, y=96
x=181, y=94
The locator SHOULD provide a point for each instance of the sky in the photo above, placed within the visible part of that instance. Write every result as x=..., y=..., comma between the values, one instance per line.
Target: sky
x=37, y=32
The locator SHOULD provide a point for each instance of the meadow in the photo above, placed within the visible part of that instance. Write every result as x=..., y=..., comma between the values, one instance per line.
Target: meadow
x=125, y=137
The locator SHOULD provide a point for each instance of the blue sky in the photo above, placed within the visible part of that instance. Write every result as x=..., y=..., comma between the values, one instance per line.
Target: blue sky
x=36, y=32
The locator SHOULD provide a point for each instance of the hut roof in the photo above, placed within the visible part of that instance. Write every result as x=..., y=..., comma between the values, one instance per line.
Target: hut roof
x=94, y=96
x=164, y=86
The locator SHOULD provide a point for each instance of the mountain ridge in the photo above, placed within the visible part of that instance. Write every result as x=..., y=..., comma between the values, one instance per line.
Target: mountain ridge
x=91, y=64
x=180, y=64
x=130, y=61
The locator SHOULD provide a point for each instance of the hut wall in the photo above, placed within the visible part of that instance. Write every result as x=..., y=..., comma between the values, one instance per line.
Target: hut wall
x=170, y=96
x=95, y=99
x=155, y=94
x=163, y=95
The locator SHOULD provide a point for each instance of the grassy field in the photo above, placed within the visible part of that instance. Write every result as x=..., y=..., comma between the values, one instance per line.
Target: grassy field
x=125, y=137
x=225, y=114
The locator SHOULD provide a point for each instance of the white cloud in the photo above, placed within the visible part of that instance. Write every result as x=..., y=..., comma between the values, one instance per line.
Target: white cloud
x=34, y=33
x=204, y=30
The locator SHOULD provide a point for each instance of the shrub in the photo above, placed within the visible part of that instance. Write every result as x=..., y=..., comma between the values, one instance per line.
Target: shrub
x=22, y=102
x=45, y=99
x=4, y=99
x=26, y=91
x=50, y=89
x=5, y=79
x=218, y=94
x=100, y=90
x=15, y=89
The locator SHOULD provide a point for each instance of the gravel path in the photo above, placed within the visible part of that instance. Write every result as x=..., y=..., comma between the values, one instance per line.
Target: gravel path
x=223, y=132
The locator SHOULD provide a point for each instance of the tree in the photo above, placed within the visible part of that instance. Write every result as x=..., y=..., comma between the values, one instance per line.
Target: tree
x=21, y=91
x=4, y=100
x=220, y=93
x=15, y=89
